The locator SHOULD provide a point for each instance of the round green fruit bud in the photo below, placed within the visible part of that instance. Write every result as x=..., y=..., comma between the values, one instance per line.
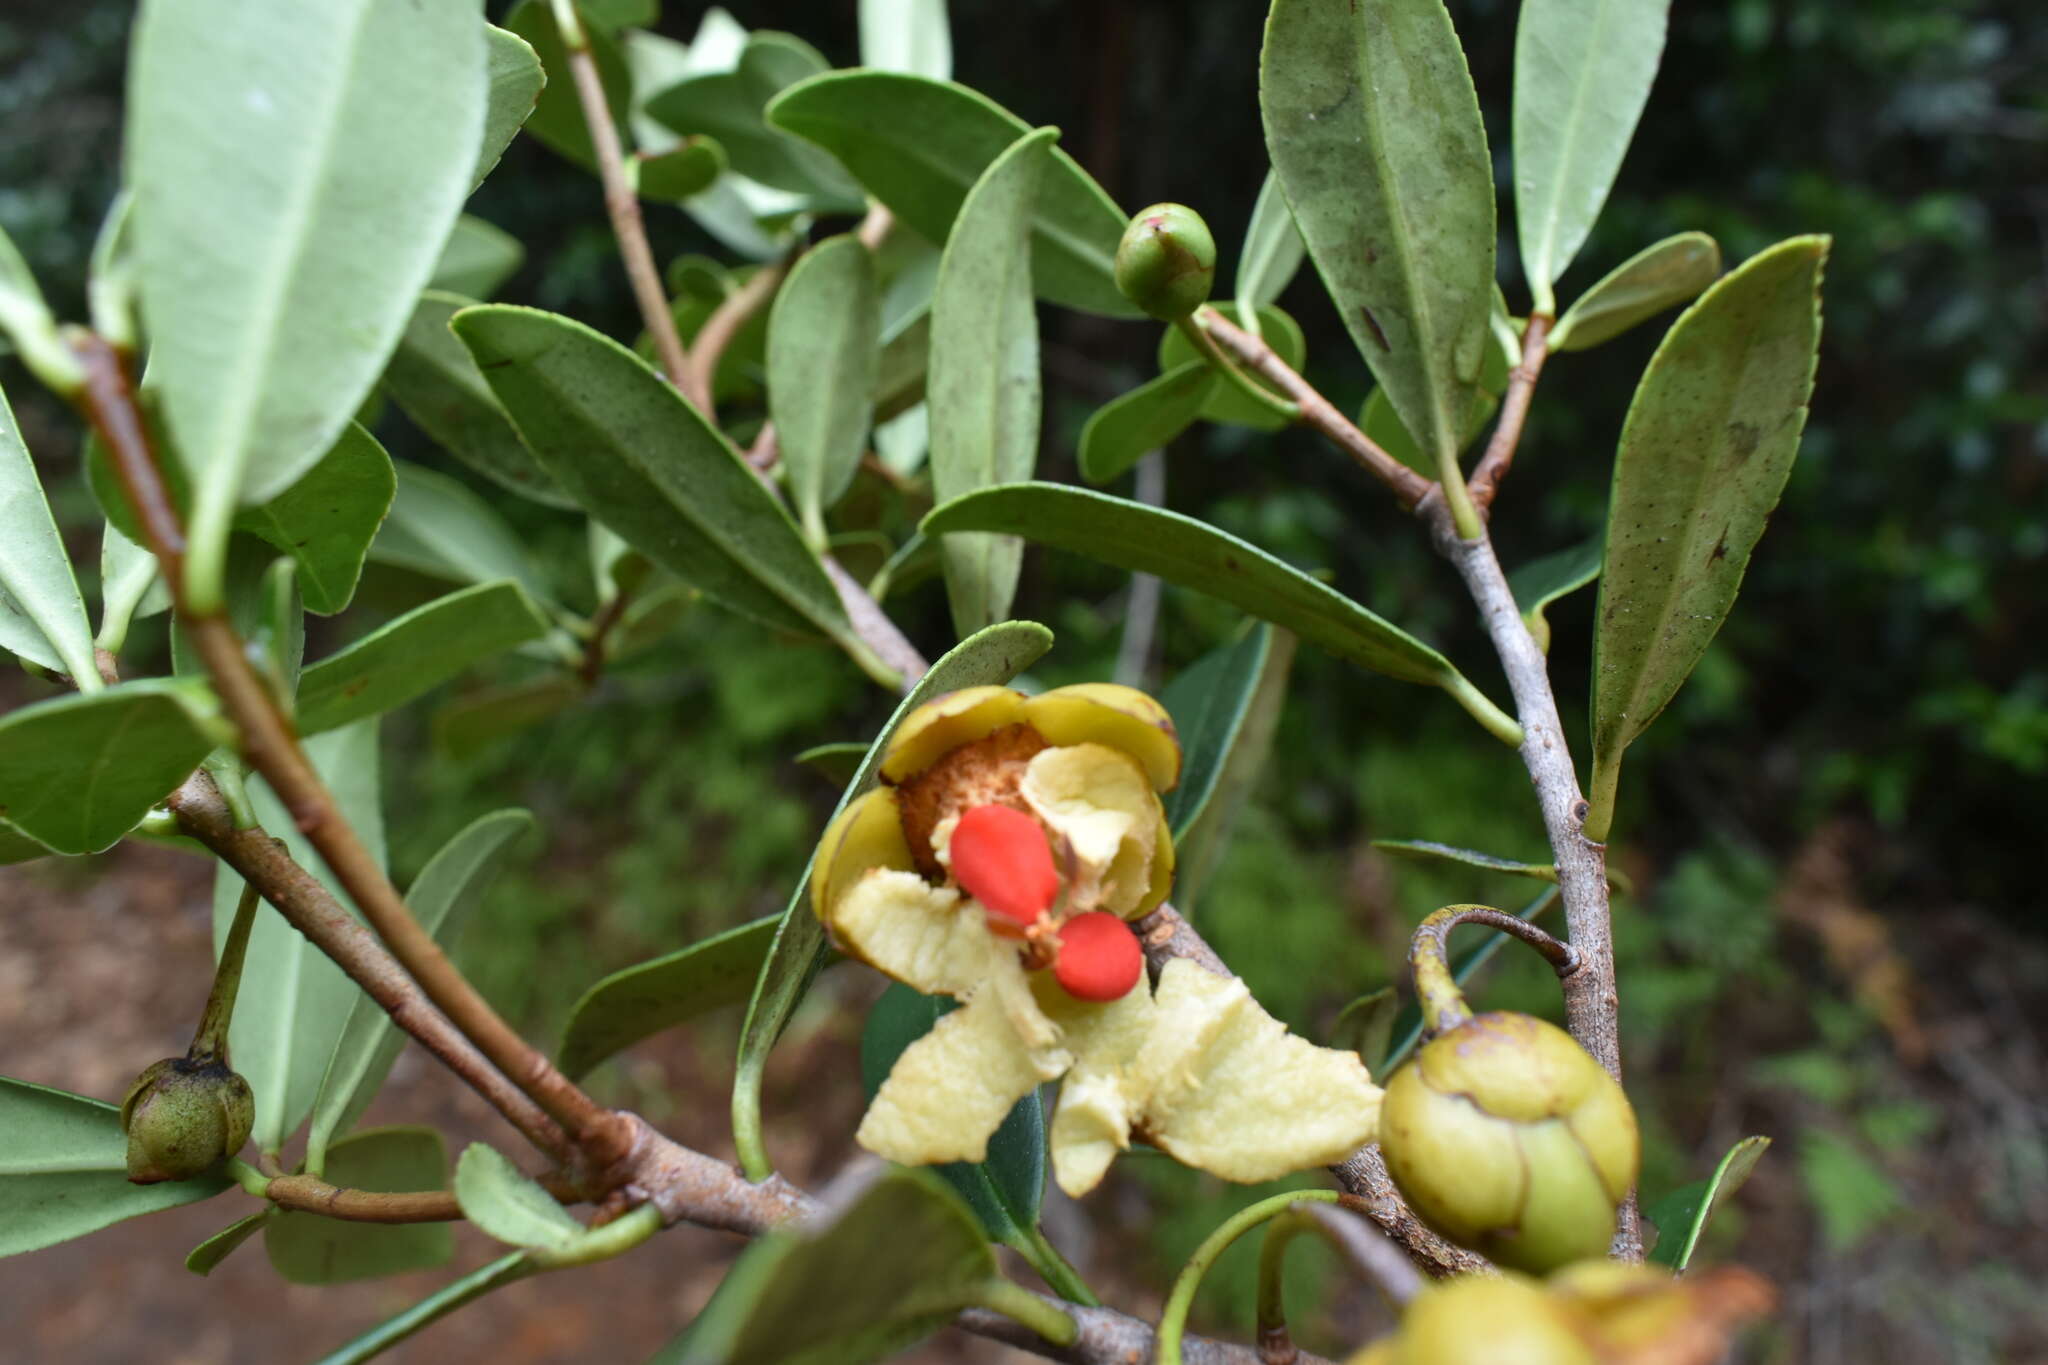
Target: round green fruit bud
x=1166, y=263
x=1506, y=1137
x=184, y=1117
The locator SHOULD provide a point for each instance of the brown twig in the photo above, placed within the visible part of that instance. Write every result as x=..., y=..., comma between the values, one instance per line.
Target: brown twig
x=311, y=1194
x=1514, y=410
x=601, y=627
x=712, y=339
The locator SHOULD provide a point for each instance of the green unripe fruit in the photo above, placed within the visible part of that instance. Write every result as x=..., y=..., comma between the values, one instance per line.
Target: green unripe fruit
x=185, y=1117
x=1506, y=1137
x=1166, y=262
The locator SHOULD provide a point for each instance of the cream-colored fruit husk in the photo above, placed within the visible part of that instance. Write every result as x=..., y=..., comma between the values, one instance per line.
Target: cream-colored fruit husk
x=1098, y=801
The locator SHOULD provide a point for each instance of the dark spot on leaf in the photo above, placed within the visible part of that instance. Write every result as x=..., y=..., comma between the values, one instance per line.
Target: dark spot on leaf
x=1230, y=563
x=1374, y=323
x=1721, y=548
x=1743, y=438
x=495, y=364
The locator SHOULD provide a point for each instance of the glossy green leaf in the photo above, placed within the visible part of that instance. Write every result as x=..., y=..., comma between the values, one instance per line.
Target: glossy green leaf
x=1273, y=249
x=920, y=145
x=477, y=258
x=1582, y=76
x=1683, y=1215
x=639, y=458
x=42, y=616
x=1374, y=131
x=557, y=117
x=836, y=763
x=1226, y=403
x=434, y=1307
x=1378, y=421
x=1004, y=1190
x=820, y=1295
x=508, y=1204
x=293, y=1000
x=64, y=1170
x=657, y=995
x=442, y=898
x=1407, y=1030
x=1128, y=427
x=1662, y=275
x=326, y=520
x=416, y=653
x=906, y=35
x=989, y=657
x=824, y=349
x=1542, y=581
x=202, y=1259
x=16, y=847
x=439, y=527
x=983, y=388
x=728, y=106
x=435, y=382
x=306, y=1248
x=78, y=771
x=1429, y=851
x=1705, y=451
x=131, y=588
x=676, y=173
x=287, y=217
x=512, y=84
x=1243, y=691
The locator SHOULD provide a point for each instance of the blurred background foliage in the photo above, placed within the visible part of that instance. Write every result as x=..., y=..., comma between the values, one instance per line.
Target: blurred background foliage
x=1836, y=937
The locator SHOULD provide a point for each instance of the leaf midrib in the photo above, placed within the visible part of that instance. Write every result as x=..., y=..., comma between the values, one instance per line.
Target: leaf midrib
x=1570, y=146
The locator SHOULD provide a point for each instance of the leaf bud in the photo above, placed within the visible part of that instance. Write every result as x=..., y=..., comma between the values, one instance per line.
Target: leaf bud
x=1507, y=1137
x=183, y=1117
x=1166, y=262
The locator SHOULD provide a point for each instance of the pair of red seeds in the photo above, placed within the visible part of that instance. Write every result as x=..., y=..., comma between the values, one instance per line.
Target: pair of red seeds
x=1001, y=859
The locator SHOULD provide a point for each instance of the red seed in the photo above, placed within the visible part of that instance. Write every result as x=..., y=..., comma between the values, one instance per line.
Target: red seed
x=1000, y=858
x=1099, y=957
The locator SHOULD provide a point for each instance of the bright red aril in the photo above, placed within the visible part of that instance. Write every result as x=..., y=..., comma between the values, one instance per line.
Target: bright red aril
x=1000, y=858
x=1100, y=958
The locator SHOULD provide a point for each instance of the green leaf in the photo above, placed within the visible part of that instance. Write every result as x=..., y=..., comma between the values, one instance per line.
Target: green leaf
x=1542, y=581
x=989, y=657
x=557, y=118
x=675, y=173
x=821, y=1295
x=613, y=15
x=728, y=106
x=442, y=898
x=920, y=145
x=78, y=771
x=512, y=84
x=130, y=587
x=1374, y=131
x=1128, y=427
x=306, y=1248
x=836, y=763
x=983, y=387
x=286, y=217
x=1273, y=249
x=824, y=348
x=42, y=616
x=1429, y=851
x=202, y=1259
x=1705, y=451
x=1662, y=275
x=440, y=528
x=326, y=520
x=1005, y=1189
x=477, y=258
x=508, y=1204
x=435, y=382
x=1582, y=76
x=64, y=1170
x=470, y=723
x=1407, y=1030
x=16, y=847
x=644, y=1000
x=1379, y=422
x=1683, y=1215
x=435, y=1306
x=416, y=653
x=906, y=35
x=294, y=1001
x=638, y=457
x=1232, y=700
x=1226, y=403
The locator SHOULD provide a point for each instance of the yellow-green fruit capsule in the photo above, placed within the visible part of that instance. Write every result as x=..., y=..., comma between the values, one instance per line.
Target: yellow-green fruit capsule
x=1487, y=1320
x=183, y=1118
x=1506, y=1137
x=1166, y=262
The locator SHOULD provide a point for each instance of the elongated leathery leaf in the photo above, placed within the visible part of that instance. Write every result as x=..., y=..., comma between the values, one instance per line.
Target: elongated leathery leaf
x=306, y=1248
x=557, y=116
x=42, y=616
x=984, y=384
x=327, y=519
x=131, y=588
x=919, y=145
x=477, y=258
x=1236, y=740
x=64, y=1170
x=823, y=347
x=1226, y=403
x=294, y=1001
x=906, y=35
x=1374, y=131
x=639, y=458
x=728, y=106
x=439, y=527
x=1121, y=431
x=1196, y=555
x=295, y=171
x=990, y=656
x=1542, y=581
x=1582, y=76
x=1661, y=275
x=643, y=1000
x=431, y=1309
x=204, y=1258
x=507, y=1203
x=1683, y=1215
x=442, y=898
x=1705, y=452
x=512, y=84
x=1273, y=249
x=1211, y=701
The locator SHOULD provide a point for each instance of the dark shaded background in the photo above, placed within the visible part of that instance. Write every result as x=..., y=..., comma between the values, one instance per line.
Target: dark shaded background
x=1837, y=936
